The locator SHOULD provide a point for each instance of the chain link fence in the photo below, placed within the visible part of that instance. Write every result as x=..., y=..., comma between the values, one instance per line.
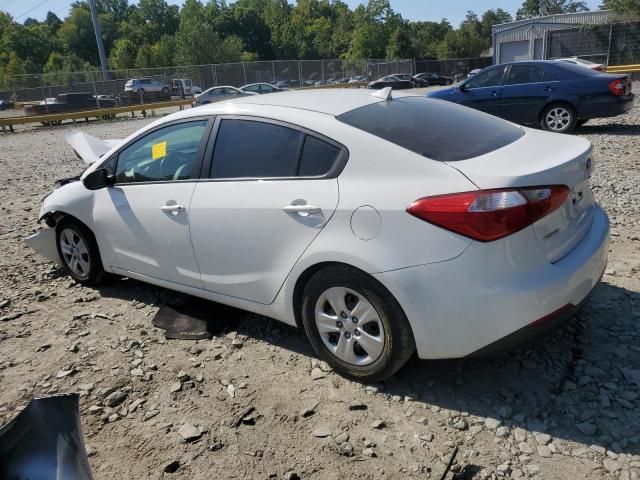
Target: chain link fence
x=286, y=73
x=612, y=44
x=457, y=68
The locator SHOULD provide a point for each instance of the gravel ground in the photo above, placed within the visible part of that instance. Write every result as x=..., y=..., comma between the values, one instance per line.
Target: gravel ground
x=566, y=407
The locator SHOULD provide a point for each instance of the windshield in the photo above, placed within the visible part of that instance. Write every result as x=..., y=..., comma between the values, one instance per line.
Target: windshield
x=435, y=129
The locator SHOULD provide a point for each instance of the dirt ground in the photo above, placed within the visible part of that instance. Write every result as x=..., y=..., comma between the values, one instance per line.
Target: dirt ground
x=566, y=407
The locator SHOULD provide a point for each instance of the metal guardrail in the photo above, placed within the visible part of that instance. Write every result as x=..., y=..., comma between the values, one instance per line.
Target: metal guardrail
x=623, y=68
x=57, y=118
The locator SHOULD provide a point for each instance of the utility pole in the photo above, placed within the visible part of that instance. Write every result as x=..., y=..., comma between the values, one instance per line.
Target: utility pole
x=96, y=28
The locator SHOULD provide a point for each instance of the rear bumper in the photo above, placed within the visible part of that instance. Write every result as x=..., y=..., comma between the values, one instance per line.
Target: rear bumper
x=606, y=106
x=493, y=290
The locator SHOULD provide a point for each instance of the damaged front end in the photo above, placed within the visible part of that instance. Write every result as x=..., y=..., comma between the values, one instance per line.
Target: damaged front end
x=45, y=442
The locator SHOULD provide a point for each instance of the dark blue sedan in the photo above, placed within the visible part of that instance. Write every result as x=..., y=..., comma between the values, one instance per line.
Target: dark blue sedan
x=555, y=95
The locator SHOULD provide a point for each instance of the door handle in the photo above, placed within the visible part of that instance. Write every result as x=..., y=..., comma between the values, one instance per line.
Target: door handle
x=302, y=210
x=494, y=94
x=548, y=89
x=172, y=208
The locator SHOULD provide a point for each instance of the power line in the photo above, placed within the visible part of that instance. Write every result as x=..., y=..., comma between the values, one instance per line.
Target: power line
x=6, y=4
x=32, y=9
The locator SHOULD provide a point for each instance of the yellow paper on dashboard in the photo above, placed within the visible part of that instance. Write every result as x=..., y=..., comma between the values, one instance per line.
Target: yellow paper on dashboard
x=159, y=150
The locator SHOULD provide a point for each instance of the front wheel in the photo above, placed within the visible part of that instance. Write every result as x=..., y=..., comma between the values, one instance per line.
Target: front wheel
x=559, y=118
x=355, y=324
x=78, y=251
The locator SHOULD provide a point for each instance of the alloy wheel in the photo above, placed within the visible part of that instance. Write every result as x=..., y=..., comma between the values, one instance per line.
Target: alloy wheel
x=75, y=252
x=558, y=119
x=350, y=326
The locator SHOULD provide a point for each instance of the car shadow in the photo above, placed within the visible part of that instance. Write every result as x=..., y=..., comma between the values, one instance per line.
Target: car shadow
x=609, y=129
x=580, y=384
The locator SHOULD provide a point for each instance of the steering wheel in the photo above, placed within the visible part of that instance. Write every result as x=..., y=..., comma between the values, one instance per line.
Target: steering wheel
x=173, y=164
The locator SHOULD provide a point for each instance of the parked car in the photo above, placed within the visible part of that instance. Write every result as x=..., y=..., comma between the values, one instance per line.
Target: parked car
x=391, y=81
x=430, y=78
x=146, y=85
x=323, y=205
x=359, y=79
x=262, y=88
x=71, y=102
x=7, y=104
x=406, y=77
x=473, y=72
x=598, y=67
x=554, y=95
x=217, y=94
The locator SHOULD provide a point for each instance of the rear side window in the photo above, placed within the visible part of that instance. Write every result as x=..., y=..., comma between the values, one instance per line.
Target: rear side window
x=436, y=129
x=248, y=149
x=317, y=157
x=520, y=74
x=256, y=149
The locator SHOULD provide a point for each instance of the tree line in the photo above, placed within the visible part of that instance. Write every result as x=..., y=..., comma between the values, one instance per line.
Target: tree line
x=153, y=33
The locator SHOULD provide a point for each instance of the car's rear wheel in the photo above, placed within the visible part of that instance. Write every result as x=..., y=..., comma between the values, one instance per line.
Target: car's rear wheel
x=79, y=253
x=165, y=91
x=355, y=324
x=559, y=118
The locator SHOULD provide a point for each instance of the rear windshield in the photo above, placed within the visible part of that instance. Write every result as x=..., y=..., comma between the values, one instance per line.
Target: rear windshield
x=436, y=129
x=570, y=70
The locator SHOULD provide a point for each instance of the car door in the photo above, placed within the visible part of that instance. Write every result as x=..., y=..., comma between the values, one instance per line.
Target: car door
x=483, y=91
x=142, y=221
x=272, y=189
x=525, y=93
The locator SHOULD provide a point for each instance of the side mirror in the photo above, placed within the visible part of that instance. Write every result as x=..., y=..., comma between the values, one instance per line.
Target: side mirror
x=98, y=179
x=462, y=87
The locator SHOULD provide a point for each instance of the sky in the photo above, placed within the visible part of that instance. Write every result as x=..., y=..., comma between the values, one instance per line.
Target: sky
x=453, y=10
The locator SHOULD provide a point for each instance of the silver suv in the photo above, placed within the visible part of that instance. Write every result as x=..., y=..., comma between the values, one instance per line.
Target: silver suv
x=146, y=85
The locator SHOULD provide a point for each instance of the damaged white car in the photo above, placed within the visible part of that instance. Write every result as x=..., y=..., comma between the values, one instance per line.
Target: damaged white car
x=381, y=226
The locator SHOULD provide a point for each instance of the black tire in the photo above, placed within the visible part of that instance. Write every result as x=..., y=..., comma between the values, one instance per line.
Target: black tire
x=95, y=271
x=399, y=343
x=564, y=122
x=165, y=91
x=581, y=121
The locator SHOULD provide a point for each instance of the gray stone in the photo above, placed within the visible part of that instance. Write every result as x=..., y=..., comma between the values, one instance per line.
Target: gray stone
x=342, y=437
x=492, y=423
x=460, y=425
x=525, y=448
x=378, y=424
x=542, y=438
x=317, y=374
x=150, y=414
x=310, y=408
x=611, y=465
x=115, y=398
x=520, y=434
x=321, y=432
x=175, y=387
x=189, y=433
x=502, y=432
x=369, y=452
x=345, y=449
x=544, y=451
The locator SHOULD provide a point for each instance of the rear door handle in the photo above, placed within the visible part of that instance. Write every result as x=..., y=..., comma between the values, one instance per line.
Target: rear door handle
x=494, y=94
x=172, y=208
x=302, y=210
x=548, y=89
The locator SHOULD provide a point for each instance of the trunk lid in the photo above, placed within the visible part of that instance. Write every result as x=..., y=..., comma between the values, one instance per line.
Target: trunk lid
x=542, y=159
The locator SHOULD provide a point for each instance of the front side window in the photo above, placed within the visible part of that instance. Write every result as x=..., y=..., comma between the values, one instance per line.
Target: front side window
x=488, y=78
x=266, y=88
x=520, y=74
x=168, y=154
x=252, y=88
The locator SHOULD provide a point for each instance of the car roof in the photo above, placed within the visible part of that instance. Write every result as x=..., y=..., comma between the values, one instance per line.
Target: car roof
x=327, y=101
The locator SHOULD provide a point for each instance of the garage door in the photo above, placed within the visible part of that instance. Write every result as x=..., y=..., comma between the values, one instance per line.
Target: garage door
x=514, y=51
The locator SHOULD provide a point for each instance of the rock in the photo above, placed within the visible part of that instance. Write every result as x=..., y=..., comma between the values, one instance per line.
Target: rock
x=183, y=376
x=321, y=432
x=199, y=378
x=520, y=434
x=342, y=437
x=544, y=451
x=317, y=374
x=85, y=387
x=357, y=406
x=231, y=390
x=291, y=476
x=175, y=387
x=150, y=414
x=587, y=428
x=309, y=409
x=368, y=443
x=611, y=465
x=378, y=424
x=542, y=438
x=368, y=452
x=114, y=399
x=460, y=425
x=492, y=423
x=238, y=342
x=114, y=417
x=94, y=409
x=65, y=373
x=135, y=404
x=345, y=449
x=137, y=372
x=189, y=433
x=171, y=467
x=502, y=432
x=525, y=448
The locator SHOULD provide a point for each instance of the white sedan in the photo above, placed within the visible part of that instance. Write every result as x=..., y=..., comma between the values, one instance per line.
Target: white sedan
x=381, y=226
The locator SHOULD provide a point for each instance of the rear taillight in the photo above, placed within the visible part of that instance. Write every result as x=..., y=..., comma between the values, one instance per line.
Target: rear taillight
x=487, y=215
x=599, y=68
x=617, y=87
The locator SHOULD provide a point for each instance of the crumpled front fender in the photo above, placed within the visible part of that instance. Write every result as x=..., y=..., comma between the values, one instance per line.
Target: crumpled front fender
x=44, y=242
x=45, y=442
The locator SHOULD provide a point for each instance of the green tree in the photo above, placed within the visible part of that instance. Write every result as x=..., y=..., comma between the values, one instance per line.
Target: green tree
x=623, y=8
x=537, y=8
x=123, y=54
